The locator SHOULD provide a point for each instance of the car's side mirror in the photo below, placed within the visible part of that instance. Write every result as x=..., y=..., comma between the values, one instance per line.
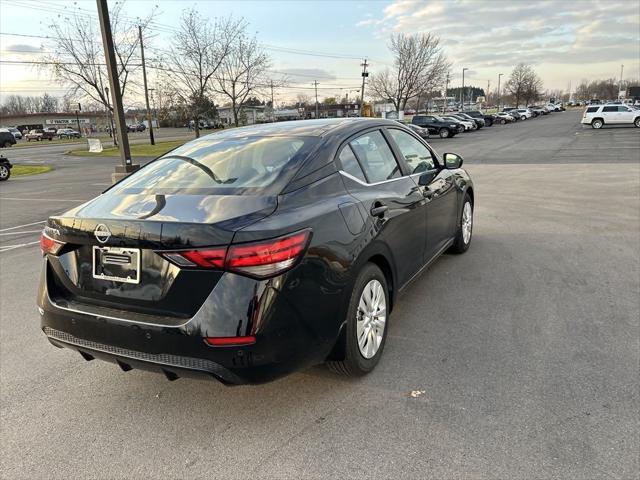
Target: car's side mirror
x=426, y=178
x=452, y=161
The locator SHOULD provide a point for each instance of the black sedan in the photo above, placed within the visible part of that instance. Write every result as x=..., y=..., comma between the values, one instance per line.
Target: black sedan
x=252, y=253
x=421, y=132
x=436, y=125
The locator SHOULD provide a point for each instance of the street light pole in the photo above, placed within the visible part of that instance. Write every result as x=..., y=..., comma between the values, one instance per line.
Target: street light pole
x=146, y=91
x=499, y=97
x=462, y=92
x=112, y=67
x=315, y=84
x=365, y=74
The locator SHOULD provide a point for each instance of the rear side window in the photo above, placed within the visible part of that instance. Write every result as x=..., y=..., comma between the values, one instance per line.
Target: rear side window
x=350, y=163
x=223, y=165
x=610, y=109
x=417, y=156
x=592, y=109
x=376, y=157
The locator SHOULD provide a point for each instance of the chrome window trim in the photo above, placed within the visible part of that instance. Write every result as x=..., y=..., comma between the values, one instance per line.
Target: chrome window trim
x=351, y=177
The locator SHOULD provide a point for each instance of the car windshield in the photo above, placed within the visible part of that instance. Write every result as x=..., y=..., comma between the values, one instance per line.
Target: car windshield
x=226, y=166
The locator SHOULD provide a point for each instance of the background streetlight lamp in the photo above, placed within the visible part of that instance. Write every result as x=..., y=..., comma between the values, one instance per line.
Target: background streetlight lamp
x=499, y=98
x=462, y=92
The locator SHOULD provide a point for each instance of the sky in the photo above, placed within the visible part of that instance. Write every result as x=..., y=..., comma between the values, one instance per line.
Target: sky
x=566, y=41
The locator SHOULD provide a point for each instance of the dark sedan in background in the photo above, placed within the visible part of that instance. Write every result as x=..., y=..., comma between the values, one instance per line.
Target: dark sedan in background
x=252, y=253
x=436, y=125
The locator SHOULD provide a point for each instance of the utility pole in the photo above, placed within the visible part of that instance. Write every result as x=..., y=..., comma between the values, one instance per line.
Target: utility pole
x=112, y=67
x=486, y=94
x=78, y=118
x=112, y=132
x=365, y=74
x=315, y=84
x=446, y=100
x=499, y=98
x=154, y=110
x=462, y=92
x=146, y=91
x=273, y=112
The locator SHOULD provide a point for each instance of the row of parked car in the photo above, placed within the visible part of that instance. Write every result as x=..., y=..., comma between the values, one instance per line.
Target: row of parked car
x=449, y=124
x=9, y=136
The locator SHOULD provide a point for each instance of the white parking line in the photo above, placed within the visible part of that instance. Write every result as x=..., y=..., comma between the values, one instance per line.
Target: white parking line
x=21, y=233
x=20, y=226
x=41, y=199
x=13, y=247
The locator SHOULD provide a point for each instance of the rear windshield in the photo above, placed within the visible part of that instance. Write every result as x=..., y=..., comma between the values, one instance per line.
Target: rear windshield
x=226, y=166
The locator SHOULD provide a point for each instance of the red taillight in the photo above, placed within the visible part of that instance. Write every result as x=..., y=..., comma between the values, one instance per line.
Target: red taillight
x=265, y=259
x=230, y=341
x=260, y=259
x=213, y=258
x=49, y=245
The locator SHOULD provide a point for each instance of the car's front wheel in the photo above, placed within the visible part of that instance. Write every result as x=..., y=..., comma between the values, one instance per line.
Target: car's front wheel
x=5, y=173
x=465, y=227
x=444, y=133
x=597, y=123
x=367, y=318
x=636, y=122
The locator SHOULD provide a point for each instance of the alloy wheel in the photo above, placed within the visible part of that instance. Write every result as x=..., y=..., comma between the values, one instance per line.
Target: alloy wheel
x=371, y=318
x=467, y=222
x=4, y=172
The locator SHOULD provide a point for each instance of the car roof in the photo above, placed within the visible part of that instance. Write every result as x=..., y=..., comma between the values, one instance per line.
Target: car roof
x=308, y=128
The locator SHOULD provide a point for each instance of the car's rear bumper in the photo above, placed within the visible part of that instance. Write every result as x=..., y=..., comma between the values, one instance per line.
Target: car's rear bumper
x=286, y=340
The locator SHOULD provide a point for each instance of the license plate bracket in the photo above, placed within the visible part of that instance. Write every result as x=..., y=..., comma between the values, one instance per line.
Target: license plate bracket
x=117, y=264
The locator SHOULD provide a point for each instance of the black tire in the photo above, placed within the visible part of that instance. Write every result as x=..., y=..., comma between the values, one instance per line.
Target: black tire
x=597, y=123
x=7, y=144
x=5, y=173
x=459, y=244
x=354, y=363
x=636, y=122
x=444, y=133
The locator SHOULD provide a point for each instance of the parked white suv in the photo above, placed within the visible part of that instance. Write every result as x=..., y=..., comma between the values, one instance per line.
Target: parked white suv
x=599, y=115
x=524, y=113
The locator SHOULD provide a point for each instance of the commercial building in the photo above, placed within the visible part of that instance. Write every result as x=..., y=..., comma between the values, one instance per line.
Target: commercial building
x=87, y=121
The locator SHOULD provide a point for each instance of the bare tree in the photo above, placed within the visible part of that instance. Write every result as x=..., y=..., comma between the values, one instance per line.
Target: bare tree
x=302, y=99
x=419, y=66
x=79, y=57
x=532, y=87
x=49, y=104
x=199, y=49
x=518, y=80
x=242, y=72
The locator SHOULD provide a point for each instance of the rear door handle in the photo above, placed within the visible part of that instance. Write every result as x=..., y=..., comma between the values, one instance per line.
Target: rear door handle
x=379, y=210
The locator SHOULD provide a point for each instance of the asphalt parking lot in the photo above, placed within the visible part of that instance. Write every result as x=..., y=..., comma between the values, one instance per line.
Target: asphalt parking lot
x=526, y=348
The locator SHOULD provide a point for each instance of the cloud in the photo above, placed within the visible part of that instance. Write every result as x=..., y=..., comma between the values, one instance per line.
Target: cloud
x=305, y=74
x=484, y=34
x=22, y=48
x=368, y=21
